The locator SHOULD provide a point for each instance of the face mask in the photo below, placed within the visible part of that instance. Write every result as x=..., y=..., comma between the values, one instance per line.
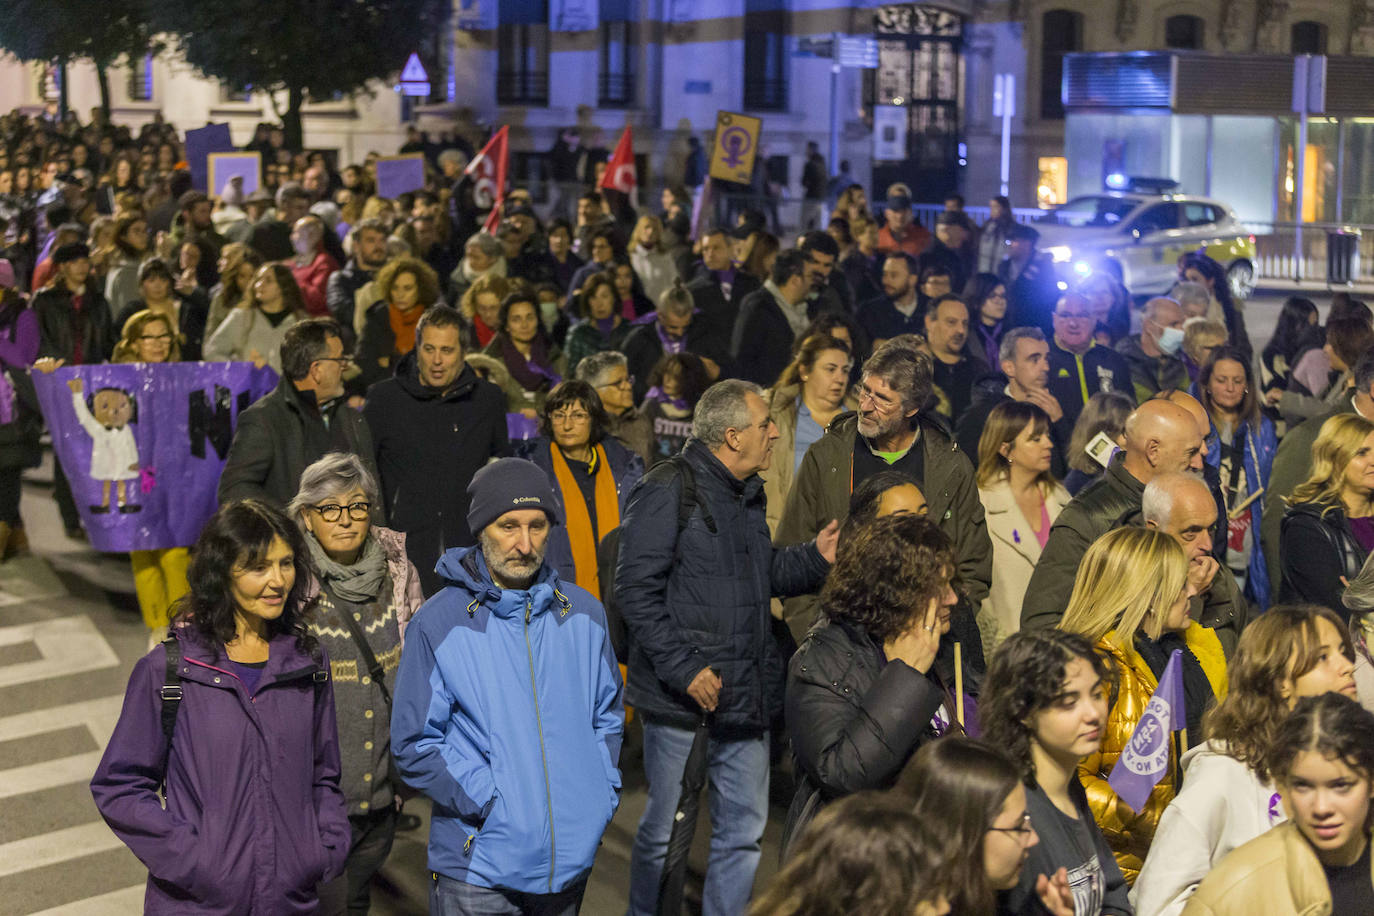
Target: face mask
x=1170, y=340
x=548, y=313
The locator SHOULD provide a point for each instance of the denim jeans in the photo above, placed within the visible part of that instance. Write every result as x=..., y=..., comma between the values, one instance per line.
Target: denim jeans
x=738, y=798
x=448, y=897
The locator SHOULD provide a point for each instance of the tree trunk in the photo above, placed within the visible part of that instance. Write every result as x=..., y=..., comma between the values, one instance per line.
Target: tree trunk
x=62, y=91
x=102, y=78
x=291, y=121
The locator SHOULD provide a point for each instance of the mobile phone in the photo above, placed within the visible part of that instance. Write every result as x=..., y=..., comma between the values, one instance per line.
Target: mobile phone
x=1101, y=448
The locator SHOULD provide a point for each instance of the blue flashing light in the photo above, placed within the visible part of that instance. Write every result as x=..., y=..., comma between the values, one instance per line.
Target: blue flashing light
x=1117, y=181
x=1082, y=268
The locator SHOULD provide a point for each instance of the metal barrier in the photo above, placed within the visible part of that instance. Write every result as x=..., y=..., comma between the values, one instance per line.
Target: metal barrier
x=1277, y=259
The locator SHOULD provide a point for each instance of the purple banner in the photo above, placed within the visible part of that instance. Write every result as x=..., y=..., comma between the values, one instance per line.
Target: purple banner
x=399, y=174
x=200, y=143
x=143, y=444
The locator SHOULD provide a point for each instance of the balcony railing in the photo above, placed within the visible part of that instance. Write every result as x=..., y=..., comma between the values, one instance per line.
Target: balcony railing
x=522, y=87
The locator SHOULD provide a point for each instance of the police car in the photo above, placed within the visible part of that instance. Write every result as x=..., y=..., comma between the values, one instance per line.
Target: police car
x=1141, y=230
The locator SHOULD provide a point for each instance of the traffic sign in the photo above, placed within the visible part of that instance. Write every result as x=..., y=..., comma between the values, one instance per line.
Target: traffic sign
x=737, y=142
x=414, y=80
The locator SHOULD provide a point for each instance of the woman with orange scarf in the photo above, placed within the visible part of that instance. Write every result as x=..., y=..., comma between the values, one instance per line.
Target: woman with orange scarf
x=591, y=472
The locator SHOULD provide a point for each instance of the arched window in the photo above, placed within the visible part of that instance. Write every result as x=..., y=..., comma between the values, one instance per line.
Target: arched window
x=1061, y=32
x=1308, y=37
x=1183, y=32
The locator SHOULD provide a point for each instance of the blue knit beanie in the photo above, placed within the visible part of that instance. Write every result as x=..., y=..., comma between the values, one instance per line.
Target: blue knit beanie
x=506, y=485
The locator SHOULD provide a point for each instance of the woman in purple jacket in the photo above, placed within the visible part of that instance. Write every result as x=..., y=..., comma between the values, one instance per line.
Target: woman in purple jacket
x=249, y=761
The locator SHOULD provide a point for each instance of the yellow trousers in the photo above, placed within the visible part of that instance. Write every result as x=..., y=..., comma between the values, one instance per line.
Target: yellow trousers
x=159, y=581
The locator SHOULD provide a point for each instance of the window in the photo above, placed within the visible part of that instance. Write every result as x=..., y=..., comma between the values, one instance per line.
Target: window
x=616, y=86
x=228, y=93
x=1158, y=218
x=141, y=79
x=522, y=53
x=1309, y=37
x=1053, y=186
x=765, y=59
x=1183, y=32
x=1200, y=214
x=1061, y=32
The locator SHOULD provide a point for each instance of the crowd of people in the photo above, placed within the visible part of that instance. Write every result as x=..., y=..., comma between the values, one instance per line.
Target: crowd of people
x=893, y=514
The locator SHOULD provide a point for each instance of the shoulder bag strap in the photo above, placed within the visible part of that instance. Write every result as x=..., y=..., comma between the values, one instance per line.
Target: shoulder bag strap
x=374, y=667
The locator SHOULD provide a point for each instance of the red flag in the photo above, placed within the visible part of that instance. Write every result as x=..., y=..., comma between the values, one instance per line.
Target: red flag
x=488, y=169
x=620, y=171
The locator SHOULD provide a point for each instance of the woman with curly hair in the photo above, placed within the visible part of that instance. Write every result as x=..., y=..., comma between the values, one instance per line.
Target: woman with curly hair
x=676, y=383
x=1228, y=796
x=863, y=854
x=405, y=287
x=1319, y=862
x=871, y=684
x=1045, y=705
x=481, y=306
x=250, y=807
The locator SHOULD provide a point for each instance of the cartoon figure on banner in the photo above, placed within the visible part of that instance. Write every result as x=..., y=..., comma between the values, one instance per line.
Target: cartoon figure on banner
x=105, y=416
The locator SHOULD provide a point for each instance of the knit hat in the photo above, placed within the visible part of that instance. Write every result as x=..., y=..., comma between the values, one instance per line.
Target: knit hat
x=72, y=251
x=505, y=486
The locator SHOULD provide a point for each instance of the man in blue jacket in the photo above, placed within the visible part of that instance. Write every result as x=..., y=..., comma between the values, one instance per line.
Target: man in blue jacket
x=508, y=712
x=696, y=601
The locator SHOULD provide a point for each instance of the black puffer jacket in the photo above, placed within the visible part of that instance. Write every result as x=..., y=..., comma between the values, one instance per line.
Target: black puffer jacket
x=429, y=444
x=701, y=599
x=1316, y=548
x=1110, y=501
x=855, y=721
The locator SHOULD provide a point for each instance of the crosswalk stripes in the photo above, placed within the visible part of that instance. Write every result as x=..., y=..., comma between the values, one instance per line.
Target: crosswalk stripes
x=56, y=854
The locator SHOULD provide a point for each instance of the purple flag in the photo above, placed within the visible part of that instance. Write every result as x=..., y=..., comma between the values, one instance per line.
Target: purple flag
x=143, y=444
x=519, y=426
x=1146, y=758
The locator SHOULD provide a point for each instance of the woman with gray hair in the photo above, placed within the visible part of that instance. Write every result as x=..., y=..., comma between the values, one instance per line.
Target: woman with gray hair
x=1358, y=599
x=483, y=256
x=365, y=594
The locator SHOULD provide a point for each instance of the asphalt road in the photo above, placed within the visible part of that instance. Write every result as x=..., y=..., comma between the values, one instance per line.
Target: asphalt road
x=69, y=635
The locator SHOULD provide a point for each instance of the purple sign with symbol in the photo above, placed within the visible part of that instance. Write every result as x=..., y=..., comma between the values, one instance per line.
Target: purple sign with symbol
x=144, y=444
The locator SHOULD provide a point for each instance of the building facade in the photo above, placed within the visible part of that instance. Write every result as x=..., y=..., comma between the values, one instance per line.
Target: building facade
x=925, y=115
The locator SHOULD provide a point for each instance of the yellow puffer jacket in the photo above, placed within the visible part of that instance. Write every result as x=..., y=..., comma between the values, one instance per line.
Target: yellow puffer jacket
x=1129, y=832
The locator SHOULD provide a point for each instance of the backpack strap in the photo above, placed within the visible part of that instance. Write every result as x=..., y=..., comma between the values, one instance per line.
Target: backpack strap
x=687, y=500
x=171, y=689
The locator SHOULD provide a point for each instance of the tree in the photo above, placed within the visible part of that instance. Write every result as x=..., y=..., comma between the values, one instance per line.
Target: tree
x=312, y=49
x=104, y=32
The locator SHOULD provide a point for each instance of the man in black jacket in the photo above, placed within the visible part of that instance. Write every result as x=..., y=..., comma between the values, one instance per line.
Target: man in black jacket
x=769, y=320
x=435, y=424
x=1161, y=438
x=1024, y=377
x=369, y=256
x=675, y=329
x=305, y=419
x=718, y=289
x=695, y=601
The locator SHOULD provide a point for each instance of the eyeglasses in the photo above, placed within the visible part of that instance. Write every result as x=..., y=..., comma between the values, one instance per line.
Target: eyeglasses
x=332, y=512
x=150, y=338
x=626, y=382
x=570, y=416
x=1022, y=830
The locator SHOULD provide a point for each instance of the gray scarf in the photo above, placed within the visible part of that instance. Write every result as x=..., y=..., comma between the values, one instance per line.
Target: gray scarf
x=357, y=583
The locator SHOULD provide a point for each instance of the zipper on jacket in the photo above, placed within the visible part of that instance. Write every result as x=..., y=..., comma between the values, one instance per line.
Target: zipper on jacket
x=543, y=756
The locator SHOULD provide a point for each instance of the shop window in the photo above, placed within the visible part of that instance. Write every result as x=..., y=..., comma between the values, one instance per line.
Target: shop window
x=1053, y=186
x=1308, y=37
x=1183, y=32
x=617, y=78
x=522, y=53
x=765, y=57
x=1061, y=32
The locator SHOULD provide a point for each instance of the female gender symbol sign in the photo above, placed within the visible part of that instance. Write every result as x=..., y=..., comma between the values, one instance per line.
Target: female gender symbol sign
x=736, y=142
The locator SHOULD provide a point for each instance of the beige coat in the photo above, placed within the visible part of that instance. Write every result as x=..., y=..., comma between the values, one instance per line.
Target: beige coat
x=1276, y=874
x=777, y=480
x=1015, y=551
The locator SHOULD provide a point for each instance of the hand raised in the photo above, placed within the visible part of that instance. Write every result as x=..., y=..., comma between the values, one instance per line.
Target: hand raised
x=918, y=645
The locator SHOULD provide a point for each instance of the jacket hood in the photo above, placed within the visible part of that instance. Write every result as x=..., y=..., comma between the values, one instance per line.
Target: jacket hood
x=466, y=568
x=408, y=377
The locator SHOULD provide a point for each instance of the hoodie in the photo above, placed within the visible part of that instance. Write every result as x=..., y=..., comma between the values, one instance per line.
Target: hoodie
x=1222, y=805
x=508, y=714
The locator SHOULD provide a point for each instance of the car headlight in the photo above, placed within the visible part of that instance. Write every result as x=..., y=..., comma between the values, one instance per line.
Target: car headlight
x=1082, y=268
x=1060, y=253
